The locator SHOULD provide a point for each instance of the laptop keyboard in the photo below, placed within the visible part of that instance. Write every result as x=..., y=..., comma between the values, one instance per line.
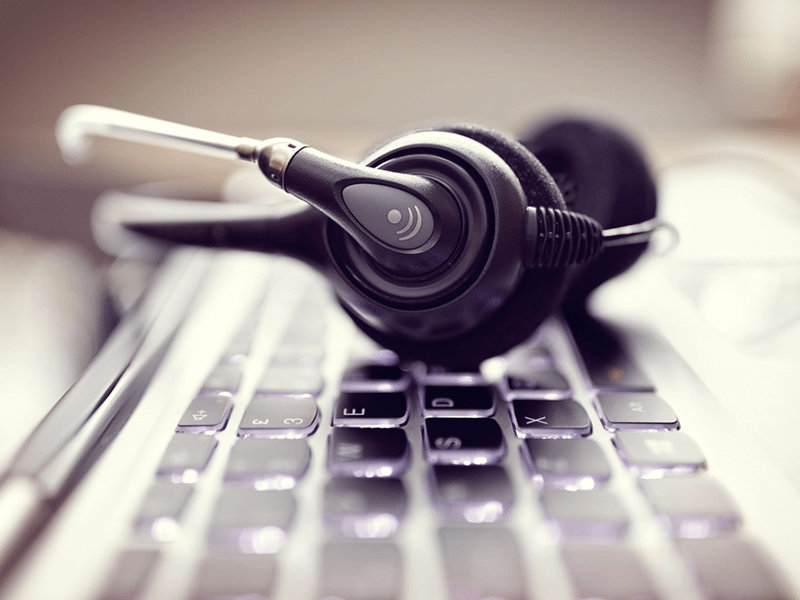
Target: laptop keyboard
x=296, y=473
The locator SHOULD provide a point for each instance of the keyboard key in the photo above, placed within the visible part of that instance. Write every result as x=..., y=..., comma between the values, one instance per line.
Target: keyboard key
x=239, y=348
x=632, y=410
x=361, y=571
x=568, y=464
x=279, y=417
x=482, y=562
x=227, y=576
x=251, y=521
x=458, y=401
x=475, y=494
x=297, y=354
x=439, y=375
x=375, y=378
x=186, y=456
x=549, y=419
x=206, y=414
x=267, y=464
x=609, y=365
x=224, y=379
x=530, y=358
x=371, y=409
x=693, y=506
x=653, y=454
x=130, y=574
x=457, y=441
x=608, y=572
x=549, y=384
x=296, y=381
x=368, y=452
x=594, y=516
x=733, y=569
x=356, y=507
x=159, y=515
x=531, y=373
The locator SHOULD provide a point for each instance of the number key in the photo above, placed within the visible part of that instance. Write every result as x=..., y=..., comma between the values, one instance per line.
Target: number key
x=279, y=417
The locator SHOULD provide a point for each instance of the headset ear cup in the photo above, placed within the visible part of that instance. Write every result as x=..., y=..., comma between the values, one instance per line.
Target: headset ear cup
x=601, y=173
x=537, y=295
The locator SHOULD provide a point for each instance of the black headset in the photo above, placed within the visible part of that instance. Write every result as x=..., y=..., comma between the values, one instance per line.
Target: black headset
x=450, y=244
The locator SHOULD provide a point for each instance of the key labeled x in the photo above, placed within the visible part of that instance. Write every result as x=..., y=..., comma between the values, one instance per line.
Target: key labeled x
x=549, y=418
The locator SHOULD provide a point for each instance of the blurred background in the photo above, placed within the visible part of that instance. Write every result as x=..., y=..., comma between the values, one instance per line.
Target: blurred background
x=341, y=75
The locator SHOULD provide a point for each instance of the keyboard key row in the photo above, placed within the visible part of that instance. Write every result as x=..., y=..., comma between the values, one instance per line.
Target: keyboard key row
x=480, y=562
x=564, y=463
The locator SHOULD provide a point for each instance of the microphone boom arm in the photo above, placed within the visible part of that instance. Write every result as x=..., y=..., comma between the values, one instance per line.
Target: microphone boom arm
x=77, y=123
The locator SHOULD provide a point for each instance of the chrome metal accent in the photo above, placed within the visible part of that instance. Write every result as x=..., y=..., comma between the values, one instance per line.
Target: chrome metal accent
x=274, y=155
x=636, y=233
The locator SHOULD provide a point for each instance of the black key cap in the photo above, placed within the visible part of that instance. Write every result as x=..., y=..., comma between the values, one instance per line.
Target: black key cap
x=206, y=414
x=457, y=441
x=225, y=576
x=297, y=381
x=438, y=375
x=368, y=452
x=279, y=417
x=186, y=456
x=482, y=562
x=531, y=373
x=549, y=384
x=239, y=348
x=608, y=572
x=458, y=401
x=632, y=410
x=356, y=507
x=576, y=464
x=609, y=365
x=473, y=494
x=651, y=454
x=159, y=515
x=266, y=464
x=360, y=571
x=371, y=409
x=375, y=378
x=549, y=419
x=594, y=516
x=224, y=379
x=530, y=358
x=733, y=569
x=250, y=521
x=298, y=354
x=130, y=574
x=694, y=506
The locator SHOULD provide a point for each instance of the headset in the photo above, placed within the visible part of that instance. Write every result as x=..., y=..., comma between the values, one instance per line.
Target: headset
x=449, y=245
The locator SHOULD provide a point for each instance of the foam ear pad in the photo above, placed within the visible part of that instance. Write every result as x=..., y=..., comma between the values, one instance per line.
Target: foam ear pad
x=601, y=173
x=538, y=294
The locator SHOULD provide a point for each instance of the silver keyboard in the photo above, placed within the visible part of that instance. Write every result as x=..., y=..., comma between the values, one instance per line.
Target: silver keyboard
x=277, y=453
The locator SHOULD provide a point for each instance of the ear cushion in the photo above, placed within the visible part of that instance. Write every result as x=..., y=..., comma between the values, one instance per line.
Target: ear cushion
x=601, y=173
x=538, y=294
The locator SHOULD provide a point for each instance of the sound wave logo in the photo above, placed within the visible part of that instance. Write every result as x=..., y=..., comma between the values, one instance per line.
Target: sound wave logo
x=395, y=216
